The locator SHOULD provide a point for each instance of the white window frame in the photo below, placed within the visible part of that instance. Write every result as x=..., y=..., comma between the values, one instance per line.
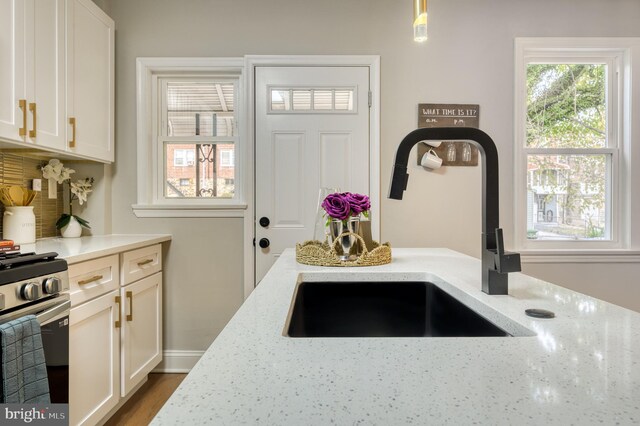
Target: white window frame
x=163, y=139
x=151, y=201
x=311, y=110
x=621, y=57
x=184, y=157
x=232, y=160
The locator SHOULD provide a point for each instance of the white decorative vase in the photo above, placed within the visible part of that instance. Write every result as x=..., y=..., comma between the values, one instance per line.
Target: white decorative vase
x=72, y=230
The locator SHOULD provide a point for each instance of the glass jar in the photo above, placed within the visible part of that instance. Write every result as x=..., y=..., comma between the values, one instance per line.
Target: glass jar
x=466, y=152
x=451, y=152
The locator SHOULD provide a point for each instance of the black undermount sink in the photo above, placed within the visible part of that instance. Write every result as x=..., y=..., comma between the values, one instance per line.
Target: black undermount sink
x=382, y=309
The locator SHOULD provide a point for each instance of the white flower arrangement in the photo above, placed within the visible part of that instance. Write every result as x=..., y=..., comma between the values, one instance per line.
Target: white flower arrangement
x=78, y=190
x=81, y=189
x=55, y=170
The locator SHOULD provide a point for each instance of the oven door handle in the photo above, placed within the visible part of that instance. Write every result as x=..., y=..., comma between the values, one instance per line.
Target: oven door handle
x=49, y=314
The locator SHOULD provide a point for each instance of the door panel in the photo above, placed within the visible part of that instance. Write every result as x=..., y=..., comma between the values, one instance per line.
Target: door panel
x=313, y=133
x=288, y=178
x=335, y=160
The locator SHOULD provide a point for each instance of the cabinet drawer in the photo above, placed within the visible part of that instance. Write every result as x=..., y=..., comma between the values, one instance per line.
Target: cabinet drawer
x=140, y=263
x=93, y=278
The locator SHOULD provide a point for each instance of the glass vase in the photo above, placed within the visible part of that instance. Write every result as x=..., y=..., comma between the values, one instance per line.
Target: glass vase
x=320, y=230
x=347, y=243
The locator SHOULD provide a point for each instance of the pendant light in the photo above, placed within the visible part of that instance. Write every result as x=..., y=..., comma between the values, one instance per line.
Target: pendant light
x=420, y=20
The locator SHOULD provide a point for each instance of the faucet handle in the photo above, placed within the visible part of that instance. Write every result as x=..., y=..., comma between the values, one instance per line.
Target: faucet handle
x=505, y=261
x=499, y=241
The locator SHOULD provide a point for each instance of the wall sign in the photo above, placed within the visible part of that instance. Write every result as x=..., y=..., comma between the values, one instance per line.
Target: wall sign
x=450, y=115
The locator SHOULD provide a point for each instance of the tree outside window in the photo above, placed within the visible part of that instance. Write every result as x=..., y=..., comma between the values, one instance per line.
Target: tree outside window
x=566, y=125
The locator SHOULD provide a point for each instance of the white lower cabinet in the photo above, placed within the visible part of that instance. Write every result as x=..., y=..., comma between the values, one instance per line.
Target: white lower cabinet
x=142, y=330
x=115, y=334
x=94, y=359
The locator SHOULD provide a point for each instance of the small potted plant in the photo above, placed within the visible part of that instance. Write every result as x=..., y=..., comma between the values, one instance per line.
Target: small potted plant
x=70, y=225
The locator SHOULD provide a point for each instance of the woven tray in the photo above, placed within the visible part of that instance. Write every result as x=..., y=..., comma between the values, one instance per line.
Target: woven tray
x=322, y=254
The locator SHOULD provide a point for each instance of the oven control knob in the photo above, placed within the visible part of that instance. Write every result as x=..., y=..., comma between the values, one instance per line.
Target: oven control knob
x=31, y=291
x=52, y=285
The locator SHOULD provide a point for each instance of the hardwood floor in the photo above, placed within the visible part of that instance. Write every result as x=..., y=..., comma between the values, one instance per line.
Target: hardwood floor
x=146, y=403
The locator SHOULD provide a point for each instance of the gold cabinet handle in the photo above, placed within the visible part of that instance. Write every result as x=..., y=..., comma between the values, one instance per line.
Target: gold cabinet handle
x=32, y=108
x=130, y=297
x=117, y=324
x=72, y=122
x=23, y=106
x=90, y=280
x=144, y=262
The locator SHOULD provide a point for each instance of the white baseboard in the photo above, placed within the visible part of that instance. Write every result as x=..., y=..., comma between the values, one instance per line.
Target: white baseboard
x=177, y=361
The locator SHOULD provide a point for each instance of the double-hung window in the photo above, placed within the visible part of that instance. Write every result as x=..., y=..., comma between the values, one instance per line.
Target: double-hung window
x=191, y=152
x=572, y=134
x=197, y=135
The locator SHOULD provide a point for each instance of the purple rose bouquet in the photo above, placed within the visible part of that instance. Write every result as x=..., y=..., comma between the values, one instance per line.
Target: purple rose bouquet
x=343, y=205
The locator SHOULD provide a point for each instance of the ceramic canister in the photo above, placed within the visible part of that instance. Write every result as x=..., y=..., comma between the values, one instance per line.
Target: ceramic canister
x=19, y=224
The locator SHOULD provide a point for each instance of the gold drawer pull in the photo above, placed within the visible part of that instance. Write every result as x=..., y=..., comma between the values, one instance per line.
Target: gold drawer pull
x=130, y=297
x=32, y=108
x=145, y=262
x=72, y=122
x=119, y=312
x=23, y=106
x=90, y=280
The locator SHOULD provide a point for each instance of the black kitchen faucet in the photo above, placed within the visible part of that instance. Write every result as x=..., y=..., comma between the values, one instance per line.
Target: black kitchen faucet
x=496, y=263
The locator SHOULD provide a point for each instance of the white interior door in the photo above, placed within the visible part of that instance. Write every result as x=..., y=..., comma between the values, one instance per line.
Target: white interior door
x=312, y=131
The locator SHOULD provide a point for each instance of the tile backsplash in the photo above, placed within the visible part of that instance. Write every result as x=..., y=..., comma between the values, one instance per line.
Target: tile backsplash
x=20, y=169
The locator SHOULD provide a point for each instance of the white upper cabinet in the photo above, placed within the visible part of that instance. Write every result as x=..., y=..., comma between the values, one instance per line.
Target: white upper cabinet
x=57, y=77
x=32, y=75
x=12, y=85
x=90, y=80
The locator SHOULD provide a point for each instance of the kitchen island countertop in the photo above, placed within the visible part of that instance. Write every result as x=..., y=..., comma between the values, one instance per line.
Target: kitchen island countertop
x=582, y=367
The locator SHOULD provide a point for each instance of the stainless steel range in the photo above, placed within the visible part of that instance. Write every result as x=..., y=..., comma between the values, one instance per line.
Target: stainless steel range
x=32, y=284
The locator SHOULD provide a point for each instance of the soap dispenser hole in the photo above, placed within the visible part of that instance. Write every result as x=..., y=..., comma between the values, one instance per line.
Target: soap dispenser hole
x=539, y=313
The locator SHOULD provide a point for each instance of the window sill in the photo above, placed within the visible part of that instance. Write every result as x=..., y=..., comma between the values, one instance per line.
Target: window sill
x=160, y=210
x=580, y=256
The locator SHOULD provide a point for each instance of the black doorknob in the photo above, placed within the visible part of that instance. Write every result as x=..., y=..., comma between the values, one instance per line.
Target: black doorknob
x=264, y=221
x=264, y=243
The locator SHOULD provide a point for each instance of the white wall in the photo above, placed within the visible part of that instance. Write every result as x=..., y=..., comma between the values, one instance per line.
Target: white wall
x=468, y=59
x=97, y=209
x=103, y=4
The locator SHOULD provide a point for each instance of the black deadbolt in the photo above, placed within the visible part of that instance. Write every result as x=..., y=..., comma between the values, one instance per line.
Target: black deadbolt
x=264, y=221
x=264, y=243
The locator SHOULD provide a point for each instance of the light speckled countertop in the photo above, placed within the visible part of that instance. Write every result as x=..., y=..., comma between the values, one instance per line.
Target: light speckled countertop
x=75, y=250
x=583, y=367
